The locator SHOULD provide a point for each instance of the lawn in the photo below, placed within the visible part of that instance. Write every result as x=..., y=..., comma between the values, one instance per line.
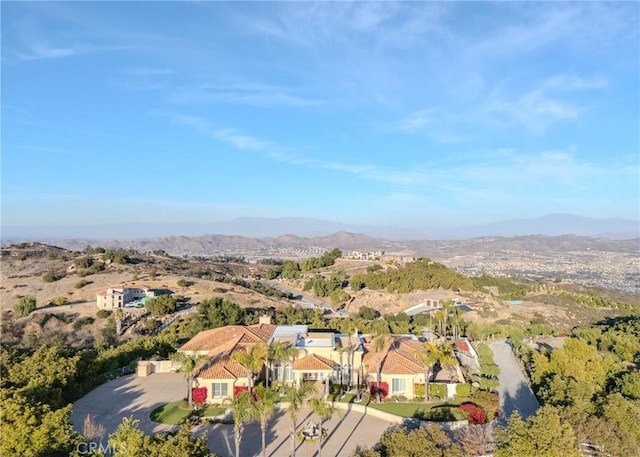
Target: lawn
x=419, y=410
x=173, y=413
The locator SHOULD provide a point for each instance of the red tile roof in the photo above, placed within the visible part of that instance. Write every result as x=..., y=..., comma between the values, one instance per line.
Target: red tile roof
x=208, y=340
x=221, y=343
x=397, y=357
x=313, y=362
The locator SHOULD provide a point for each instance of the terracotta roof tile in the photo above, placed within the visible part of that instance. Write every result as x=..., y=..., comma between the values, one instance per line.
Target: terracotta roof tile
x=210, y=339
x=221, y=368
x=313, y=362
x=262, y=331
x=397, y=357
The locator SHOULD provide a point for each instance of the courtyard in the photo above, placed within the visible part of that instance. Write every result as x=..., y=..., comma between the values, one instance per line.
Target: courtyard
x=137, y=397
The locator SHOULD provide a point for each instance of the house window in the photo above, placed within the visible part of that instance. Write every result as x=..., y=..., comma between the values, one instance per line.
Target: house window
x=219, y=389
x=399, y=385
x=288, y=373
x=346, y=374
x=336, y=372
x=277, y=372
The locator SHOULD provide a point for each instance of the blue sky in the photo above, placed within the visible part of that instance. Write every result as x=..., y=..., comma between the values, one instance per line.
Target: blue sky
x=404, y=114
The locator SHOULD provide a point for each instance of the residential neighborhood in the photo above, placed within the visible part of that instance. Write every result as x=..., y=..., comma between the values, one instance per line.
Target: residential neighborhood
x=321, y=358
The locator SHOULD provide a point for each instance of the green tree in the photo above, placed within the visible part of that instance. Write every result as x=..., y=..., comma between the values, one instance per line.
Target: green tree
x=159, y=306
x=379, y=342
x=25, y=305
x=217, y=312
x=542, y=435
x=45, y=376
x=428, y=359
x=295, y=397
x=243, y=413
x=324, y=411
x=252, y=361
x=128, y=440
x=277, y=350
x=179, y=444
x=187, y=364
x=263, y=404
x=290, y=270
x=368, y=313
x=430, y=441
x=35, y=430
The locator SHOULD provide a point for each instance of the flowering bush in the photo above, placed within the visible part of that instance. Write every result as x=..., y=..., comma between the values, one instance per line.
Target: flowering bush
x=384, y=390
x=199, y=395
x=475, y=414
x=237, y=390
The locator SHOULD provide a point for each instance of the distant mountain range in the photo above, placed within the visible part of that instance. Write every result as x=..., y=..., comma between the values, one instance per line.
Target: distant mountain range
x=550, y=225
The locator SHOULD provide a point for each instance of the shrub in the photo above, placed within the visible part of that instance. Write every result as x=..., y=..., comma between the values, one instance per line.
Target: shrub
x=49, y=277
x=475, y=414
x=59, y=301
x=445, y=414
x=489, y=401
x=84, y=262
x=82, y=321
x=384, y=390
x=103, y=313
x=199, y=395
x=80, y=284
x=161, y=305
x=25, y=305
x=184, y=283
x=489, y=384
x=463, y=390
x=438, y=390
x=418, y=392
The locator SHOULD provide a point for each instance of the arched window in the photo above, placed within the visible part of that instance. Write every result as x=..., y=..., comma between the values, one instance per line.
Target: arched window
x=336, y=372
x=277, y=371
x=288, y=373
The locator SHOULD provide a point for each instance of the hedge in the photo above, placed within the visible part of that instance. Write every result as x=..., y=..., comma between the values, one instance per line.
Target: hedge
x=438, y=390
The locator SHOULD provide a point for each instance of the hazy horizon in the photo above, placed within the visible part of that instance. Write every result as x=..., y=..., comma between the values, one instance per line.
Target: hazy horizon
x=407, y=115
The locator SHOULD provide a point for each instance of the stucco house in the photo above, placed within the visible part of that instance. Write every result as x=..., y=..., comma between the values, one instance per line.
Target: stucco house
x=321, y=358
x=118, y=297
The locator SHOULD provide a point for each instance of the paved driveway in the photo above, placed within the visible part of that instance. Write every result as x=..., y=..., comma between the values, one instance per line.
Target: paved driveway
x=138, y=396
x=515, y=392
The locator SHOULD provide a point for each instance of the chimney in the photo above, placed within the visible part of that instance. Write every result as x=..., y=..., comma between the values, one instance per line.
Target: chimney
x=266, y=319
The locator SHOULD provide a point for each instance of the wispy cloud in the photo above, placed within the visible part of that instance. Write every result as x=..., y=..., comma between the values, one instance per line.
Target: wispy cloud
x=417, y=121
x=575, y=83
x=534, y=110
x=47, y=52
x=546, y=105
x=142, y=78
x=244, y=94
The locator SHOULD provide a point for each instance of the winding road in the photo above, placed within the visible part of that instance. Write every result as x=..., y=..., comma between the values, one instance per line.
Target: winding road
x=515, y=392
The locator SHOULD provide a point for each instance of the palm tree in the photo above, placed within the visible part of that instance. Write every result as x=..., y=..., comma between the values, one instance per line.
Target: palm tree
x=447, y=306
x=324, y=411
x=187, y=364
x=441, y=319
x=263, y=404
x=428, y=359
x=295, y=396
x=378, y=346
x=456, y=320
x=276, y=350
x=243, y=414
x=447, y=359
x=252, y=360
